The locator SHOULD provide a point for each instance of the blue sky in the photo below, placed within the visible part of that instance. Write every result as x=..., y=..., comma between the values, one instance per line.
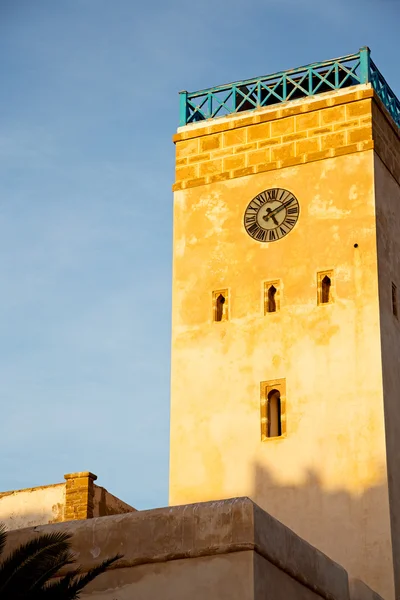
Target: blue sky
x=88, y=105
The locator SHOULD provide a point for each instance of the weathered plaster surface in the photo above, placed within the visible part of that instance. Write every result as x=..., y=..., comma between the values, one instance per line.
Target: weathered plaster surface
x=226, y=577
x=387, y=191
x=272, y=583
x=77, y=498
x=327, y=478
x=360, y=591
x=219, y=550
x=107, y=504
x=33, y=506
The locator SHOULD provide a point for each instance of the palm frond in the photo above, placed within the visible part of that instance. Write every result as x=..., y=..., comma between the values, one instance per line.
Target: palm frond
x=3, y=537
x=20, y=570
x=54, y=565
x=58, y=589
x=26, y=573
x=71, y=584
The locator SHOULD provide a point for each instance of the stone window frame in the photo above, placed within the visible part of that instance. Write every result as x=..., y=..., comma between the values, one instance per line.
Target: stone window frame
x=320, y=277
x=215, y=295
x=265, y=388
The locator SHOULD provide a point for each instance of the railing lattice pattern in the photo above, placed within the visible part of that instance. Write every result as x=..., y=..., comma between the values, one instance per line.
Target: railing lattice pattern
x=281, y=87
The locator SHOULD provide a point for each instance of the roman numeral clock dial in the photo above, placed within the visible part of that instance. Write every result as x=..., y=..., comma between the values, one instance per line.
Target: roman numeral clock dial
x=271, y=215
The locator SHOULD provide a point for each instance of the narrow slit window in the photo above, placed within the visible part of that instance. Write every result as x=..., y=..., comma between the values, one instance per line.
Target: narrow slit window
x=271, y=299
x=274, y=428
x=219, y=309
x=394, y=300
x=325, y=287
x=273, y=409
x=220, y=305
x=271, y=296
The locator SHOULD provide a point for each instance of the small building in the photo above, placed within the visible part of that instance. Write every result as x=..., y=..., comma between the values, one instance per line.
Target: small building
x=223, y=550
x=78, y=497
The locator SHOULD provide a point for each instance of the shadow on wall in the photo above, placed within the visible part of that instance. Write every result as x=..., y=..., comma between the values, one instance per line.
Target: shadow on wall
x=353, y=530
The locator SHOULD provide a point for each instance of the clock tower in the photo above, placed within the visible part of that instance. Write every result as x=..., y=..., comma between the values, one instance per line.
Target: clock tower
x=285, y=328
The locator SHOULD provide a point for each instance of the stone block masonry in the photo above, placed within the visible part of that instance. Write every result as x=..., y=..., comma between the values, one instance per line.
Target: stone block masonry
x=86, y=500
x=79, y=495
x=297, y=133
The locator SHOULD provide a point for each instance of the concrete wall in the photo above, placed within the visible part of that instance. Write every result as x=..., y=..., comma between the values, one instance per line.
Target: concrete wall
x=32, y=506
x=359, y=591
x=77, y=498
x=326, y=478
x=226, y=576
x=223, y=550
x=107, y=504
x=85, y=499
x=387, y=191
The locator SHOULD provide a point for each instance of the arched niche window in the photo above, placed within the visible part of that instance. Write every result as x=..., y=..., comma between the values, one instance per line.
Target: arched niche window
x=274, y=414
x=271, y=296
x=325, y=289
x=273, y=409
x=220, y=305
x=271, y=299
x=325, y=280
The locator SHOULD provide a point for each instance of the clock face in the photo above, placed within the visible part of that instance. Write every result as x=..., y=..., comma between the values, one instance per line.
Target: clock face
x=271, y=215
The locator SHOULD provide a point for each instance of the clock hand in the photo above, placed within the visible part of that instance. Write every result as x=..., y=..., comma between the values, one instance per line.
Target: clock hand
x=284, y=205
x=272, y=213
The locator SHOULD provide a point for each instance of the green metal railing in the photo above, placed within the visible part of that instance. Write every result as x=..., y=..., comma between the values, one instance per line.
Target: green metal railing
x=317, y=78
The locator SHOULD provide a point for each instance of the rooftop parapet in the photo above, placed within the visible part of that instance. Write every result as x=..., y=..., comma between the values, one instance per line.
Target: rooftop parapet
x=317, y=78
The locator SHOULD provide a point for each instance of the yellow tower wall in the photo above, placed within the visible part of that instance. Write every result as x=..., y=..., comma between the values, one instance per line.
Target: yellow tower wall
x=326, y=478
x=387, y=193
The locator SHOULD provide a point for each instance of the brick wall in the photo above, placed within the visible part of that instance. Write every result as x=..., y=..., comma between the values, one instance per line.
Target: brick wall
x=79, y=496
x=268, y=139
x=86, y=500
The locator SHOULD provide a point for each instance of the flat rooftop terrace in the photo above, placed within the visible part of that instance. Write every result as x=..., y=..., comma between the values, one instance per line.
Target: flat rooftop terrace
x=310, y=80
